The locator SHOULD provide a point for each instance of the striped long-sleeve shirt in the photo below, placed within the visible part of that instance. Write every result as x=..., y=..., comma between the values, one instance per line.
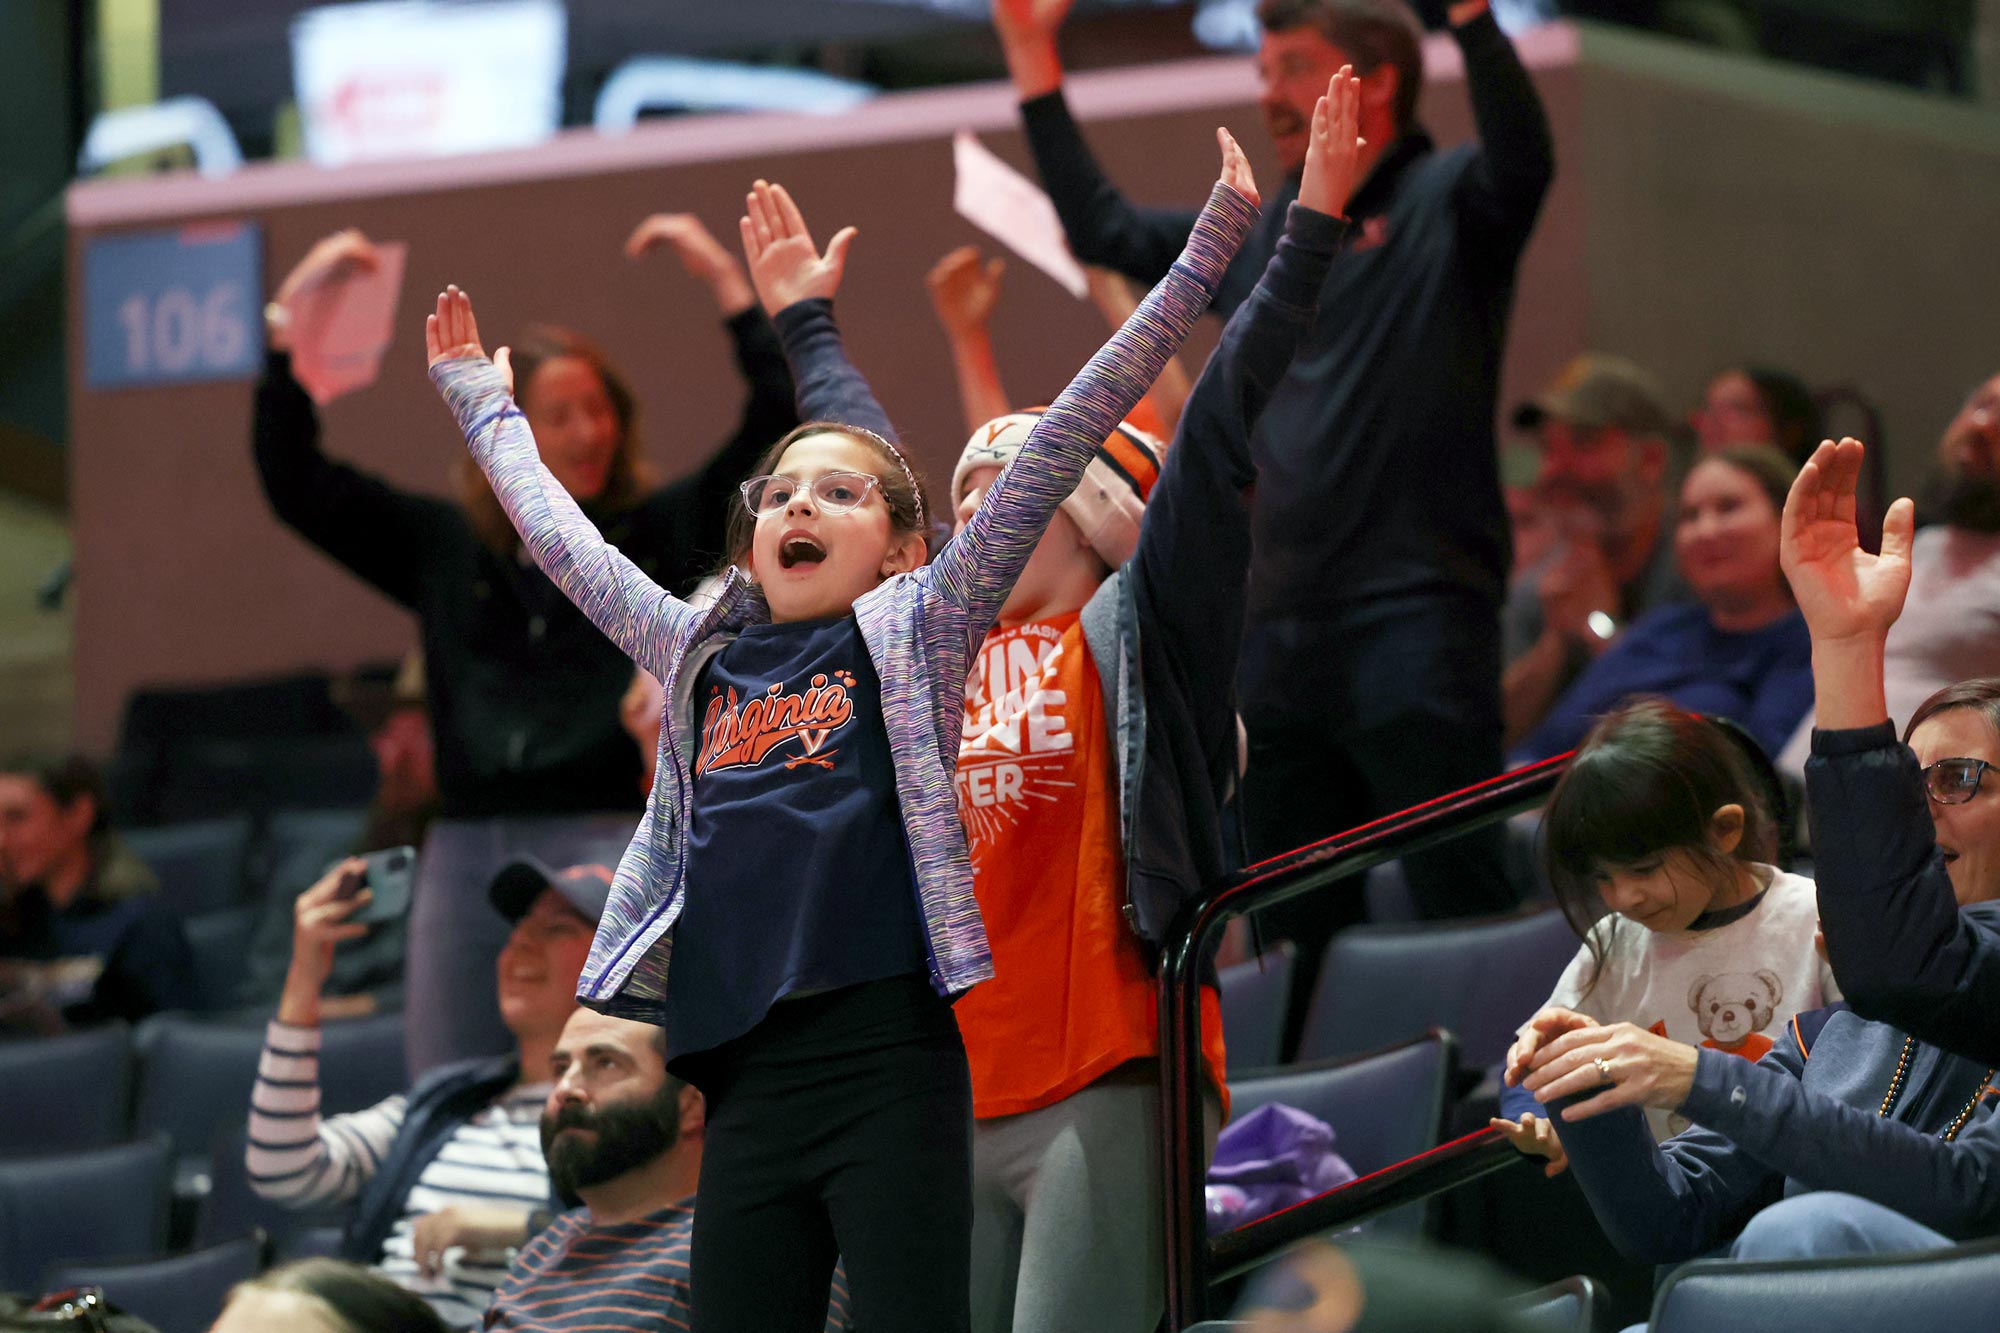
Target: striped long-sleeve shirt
x=628, y=1278
x=920, y=627
x=301, y=1159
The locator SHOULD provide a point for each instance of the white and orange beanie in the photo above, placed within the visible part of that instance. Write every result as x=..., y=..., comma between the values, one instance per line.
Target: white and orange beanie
x=1107, y=504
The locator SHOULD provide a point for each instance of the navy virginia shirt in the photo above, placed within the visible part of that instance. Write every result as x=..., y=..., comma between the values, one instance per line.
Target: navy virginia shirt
x=799, y=876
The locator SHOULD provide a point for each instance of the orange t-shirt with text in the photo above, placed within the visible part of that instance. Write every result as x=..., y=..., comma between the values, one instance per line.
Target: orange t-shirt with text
x=1073, y=995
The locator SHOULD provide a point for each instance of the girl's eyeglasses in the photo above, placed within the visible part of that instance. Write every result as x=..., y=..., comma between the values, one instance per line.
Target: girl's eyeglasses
x=835, y=492
x=1954, y=781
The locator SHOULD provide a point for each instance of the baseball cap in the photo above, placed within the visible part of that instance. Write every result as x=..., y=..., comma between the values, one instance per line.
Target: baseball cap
x=1596, y=391
x=520, y=882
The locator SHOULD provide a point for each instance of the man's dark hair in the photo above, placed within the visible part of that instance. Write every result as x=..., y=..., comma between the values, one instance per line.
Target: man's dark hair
x=1372, y=33
x=66, y=779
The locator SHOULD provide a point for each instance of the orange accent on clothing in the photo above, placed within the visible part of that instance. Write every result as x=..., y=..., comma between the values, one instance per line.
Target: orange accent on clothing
x=1146, y=416
x=1073, y=995
x=1799, y=1037
x=1659, y=1028
x=1752, y=1048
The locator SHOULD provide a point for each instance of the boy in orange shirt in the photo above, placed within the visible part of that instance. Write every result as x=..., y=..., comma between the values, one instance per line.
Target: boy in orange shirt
x=1099, y=746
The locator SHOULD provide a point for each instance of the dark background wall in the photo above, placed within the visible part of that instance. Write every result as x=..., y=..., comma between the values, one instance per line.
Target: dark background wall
x=1706, y=208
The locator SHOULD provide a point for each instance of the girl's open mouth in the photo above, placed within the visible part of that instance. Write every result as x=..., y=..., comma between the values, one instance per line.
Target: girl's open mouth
x=795, y=551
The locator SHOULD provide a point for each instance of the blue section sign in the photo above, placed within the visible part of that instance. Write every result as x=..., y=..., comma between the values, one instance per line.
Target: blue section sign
x=173, y=306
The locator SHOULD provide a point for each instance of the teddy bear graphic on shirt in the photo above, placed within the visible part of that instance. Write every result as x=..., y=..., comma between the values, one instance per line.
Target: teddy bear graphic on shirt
x=1733, y=1009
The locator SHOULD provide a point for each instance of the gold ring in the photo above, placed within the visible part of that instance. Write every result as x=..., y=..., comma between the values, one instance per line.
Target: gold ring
x=1603, y=1068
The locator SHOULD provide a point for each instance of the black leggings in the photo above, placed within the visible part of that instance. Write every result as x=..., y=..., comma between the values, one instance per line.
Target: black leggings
x=839, y=1127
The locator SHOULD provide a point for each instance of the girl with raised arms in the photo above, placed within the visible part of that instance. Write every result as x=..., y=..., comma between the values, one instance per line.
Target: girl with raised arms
x=813, y=886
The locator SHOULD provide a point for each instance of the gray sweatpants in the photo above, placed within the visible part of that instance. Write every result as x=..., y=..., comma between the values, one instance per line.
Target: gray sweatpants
x=1066, y=1230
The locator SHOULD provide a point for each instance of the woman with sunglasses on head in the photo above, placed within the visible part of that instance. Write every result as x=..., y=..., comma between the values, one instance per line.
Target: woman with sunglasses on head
x=1877, y=1125
x=1907, y=835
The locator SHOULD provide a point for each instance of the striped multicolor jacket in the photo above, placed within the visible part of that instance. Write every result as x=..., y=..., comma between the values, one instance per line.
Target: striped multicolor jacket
x=920, y=628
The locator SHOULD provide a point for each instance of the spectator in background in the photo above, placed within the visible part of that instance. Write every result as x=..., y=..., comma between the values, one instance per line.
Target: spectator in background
x=367, y=975
x=1949, y=629
x=1907, y=838
x=964, y=288
x=444, y=1178
x=1757, y=405
x=1372, y=650
x=524, y=691
x=1602, y=493
x=84, y=937
x=623, y=1137
x=1739, y=650
x=324, y=1296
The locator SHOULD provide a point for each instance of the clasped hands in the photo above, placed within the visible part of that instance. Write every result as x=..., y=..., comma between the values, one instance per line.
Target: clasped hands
x=1561, y=1053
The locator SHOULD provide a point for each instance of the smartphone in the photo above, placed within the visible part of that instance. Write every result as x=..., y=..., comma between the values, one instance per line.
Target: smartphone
x=389, y=876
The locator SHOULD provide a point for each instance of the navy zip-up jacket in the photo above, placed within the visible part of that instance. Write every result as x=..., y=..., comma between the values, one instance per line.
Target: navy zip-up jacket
x=1900, y=948
x=1164, y=629
x=1807, y=1117
x=1376, y=463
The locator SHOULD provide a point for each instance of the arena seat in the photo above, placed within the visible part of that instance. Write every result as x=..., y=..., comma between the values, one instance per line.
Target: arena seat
x=180, y=1294
x=1568, y=1306
x=202, y=864
x=1253, y=1006
x=1937, y=1289
x=219, y=945
x=231, y=1207
x=1478, y=980
x=101, y=1203
x=1384, y=1107
x=195, y=1079
x=65, y=1093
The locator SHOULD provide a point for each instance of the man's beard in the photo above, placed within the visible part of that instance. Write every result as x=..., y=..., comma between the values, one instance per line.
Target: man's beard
x=1964, y=500
x=628, y=1134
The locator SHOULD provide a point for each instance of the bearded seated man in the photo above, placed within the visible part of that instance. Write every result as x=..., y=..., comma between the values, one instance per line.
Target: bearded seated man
x=622, y=1138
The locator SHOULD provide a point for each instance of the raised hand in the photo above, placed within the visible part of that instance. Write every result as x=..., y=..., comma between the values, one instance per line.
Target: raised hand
x=964, y=287
x=452, y=332
x=1333, y=156
x=700, y=254
x=1842, y=590
x=785, y=265
x=331, y=261
x=1018, y=19
x=1236, y=167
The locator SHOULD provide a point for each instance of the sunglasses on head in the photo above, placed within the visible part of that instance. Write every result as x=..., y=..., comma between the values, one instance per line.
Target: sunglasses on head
x=1954, y=781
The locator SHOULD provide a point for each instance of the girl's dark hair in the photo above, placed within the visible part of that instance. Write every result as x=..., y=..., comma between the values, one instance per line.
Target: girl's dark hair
x=629, y=478
x=67, y=779
x=1981, y=693
x=902, y=486
x=1647, y=779
x=360, y=1299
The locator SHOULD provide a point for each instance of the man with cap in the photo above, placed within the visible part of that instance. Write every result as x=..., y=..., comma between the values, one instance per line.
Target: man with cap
x=1606, y=470
x=1371, y=647
x=442, y=1179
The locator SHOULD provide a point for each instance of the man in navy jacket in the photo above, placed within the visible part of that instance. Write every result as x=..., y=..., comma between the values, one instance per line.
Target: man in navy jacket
x=1371, y=656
